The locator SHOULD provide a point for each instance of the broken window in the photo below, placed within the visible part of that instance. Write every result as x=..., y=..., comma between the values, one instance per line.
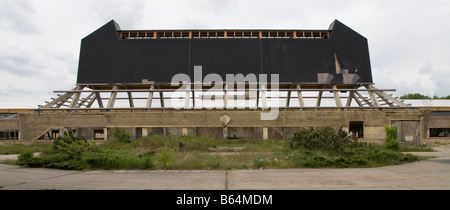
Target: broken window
x=99, y=135
x=356, y=128
x=439, y=132
x=54, y=134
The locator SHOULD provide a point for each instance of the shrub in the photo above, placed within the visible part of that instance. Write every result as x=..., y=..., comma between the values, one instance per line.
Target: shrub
x=25, y=155
x=390, y=141
x=165, y=157
x=70, y=144
x=321, y=139
x=120, y=134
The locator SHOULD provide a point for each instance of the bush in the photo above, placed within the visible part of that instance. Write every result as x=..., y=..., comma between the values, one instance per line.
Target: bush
x=166, y=156
x=390, y=141
x=321, y=139
x=120, y=134
x=25, y=155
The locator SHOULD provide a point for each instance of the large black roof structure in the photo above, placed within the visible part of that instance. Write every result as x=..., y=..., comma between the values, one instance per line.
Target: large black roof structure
x=338, y=55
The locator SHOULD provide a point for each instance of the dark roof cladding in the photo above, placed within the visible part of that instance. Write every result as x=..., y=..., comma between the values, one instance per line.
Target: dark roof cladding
x=338, y=55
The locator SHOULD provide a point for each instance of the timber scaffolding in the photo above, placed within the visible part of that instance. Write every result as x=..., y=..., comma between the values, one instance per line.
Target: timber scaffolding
x=190, y=34
x=258, y=96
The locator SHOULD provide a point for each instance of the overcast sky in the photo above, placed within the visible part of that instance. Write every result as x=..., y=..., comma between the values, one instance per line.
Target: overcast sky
x=409, y=40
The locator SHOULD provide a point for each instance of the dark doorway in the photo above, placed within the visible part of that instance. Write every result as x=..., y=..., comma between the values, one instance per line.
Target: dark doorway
x=356, y=128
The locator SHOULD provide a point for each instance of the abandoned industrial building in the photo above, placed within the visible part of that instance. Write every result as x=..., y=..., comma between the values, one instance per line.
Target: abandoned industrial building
x=247, y=84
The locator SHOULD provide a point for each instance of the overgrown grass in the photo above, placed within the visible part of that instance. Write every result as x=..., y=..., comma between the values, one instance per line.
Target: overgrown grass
x=19, y=148
x=307, y=149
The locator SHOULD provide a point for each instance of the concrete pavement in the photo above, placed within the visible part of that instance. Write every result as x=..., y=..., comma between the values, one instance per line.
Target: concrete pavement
x=431, y=174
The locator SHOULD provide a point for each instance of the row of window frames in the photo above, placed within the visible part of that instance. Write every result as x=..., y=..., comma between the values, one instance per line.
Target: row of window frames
x=9, y=135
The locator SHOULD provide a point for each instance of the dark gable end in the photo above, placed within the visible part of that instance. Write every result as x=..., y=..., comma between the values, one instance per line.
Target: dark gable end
x=343, y=57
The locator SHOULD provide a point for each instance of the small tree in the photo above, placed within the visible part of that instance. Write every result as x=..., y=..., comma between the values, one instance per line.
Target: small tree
x=390, y=141
x=120, y=134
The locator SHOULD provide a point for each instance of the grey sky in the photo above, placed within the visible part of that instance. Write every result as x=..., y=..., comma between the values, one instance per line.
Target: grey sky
x=40, y=39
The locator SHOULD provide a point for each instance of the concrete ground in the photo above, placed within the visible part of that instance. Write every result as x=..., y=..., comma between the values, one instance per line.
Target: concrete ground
x=431, y=174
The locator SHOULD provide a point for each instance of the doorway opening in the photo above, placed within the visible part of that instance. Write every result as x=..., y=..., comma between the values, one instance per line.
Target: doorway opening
x=356, y=128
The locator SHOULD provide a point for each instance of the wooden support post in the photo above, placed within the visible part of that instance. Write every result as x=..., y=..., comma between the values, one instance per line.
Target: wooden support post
x=187, y=97
x=91, y=101
x=336, y=97
x=319, y=98
x=99, y=99
x=150, y=98
x=257, y=98
x=161, y=99
x=193, y=99
x=112, y=98
x=263, y=94
x=349, y=99
x=76, y=98
x=225, y=97
x=301, y=102
x=130, y=99
x=288, y=98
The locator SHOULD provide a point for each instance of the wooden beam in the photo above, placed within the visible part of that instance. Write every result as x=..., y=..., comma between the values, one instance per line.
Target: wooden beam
x=112, y=97
x=91, y=101
x=88, y=98
x=150, y=98
x=336, y=97
x=99, y=99
x=187, y=97
x=288, y=98
x=349, y=99
x=225, y=96
x=301, y=102
x=76, y=97
x=161, y=99
x=390, y=98
x=364, y=99
x=373, y=97
x=63, y=98
x=130, y=99
x=263, y=96
x=319, y=98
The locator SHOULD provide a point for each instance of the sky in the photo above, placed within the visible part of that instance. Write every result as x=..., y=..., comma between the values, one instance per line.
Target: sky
x=409, y=40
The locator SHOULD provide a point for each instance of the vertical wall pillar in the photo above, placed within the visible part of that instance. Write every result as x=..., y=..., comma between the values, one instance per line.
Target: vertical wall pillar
x=265, y=133
x=105, y=134
x=144, y=131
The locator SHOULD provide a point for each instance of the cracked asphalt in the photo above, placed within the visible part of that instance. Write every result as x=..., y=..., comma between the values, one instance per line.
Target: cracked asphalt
x=431, y=174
